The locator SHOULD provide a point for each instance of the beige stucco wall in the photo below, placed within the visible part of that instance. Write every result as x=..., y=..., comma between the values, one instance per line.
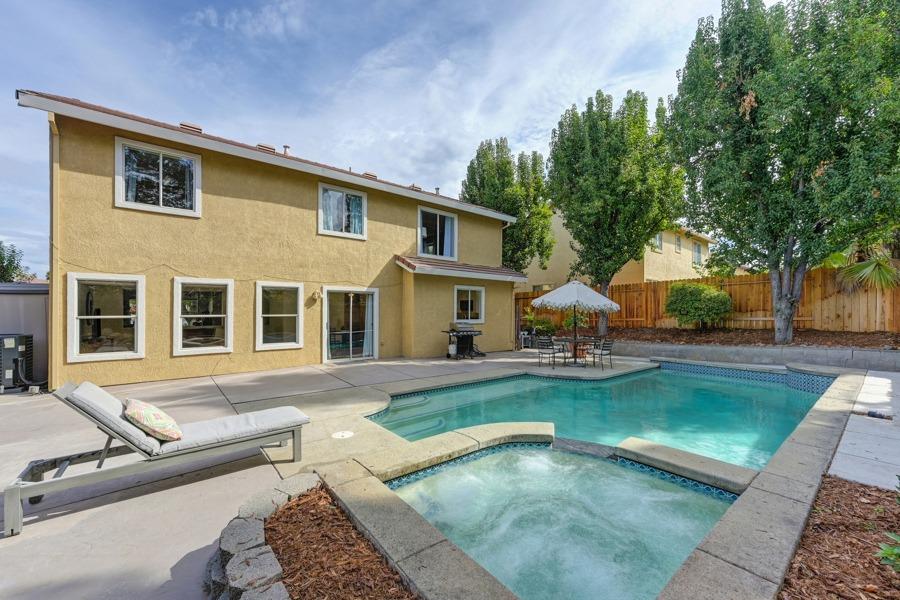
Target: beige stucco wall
x=669, y=264
x=258, y=223
x=656, y=266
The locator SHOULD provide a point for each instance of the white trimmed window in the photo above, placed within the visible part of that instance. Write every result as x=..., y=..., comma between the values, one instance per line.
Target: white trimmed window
x=342, y=212
x=678, y=244
x=656, y=242
x=279, y=315
x=106, y=317
x=468, y=304
x=698, y=253
x=203, y=316
x=157, y=179
x=437, y=234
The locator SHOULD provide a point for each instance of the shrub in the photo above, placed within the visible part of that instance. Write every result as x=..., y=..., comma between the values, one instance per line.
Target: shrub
x=584, y=319
x=544, y=327
x=699, y=303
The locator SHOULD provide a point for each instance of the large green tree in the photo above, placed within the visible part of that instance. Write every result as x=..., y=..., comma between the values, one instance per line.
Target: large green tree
x=613, y=183
x=786, y=121
x=515, y=187
x=11, y=267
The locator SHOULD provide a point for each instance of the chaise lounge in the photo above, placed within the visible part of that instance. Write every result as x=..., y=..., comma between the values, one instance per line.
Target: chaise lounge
x=200, y=440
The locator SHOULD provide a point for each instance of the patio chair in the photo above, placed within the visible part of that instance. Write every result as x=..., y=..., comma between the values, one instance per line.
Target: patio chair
x=547, y=347
x=601, y=348
x=200, y=440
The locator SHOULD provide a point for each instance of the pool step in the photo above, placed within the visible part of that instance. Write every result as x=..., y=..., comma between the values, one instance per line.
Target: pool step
x=581, y=447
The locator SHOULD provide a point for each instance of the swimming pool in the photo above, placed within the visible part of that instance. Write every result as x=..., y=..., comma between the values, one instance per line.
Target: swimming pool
x=552, y=524
x=741, y=421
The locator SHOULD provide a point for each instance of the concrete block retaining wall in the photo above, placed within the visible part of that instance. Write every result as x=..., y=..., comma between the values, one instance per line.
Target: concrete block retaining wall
x=858, y=358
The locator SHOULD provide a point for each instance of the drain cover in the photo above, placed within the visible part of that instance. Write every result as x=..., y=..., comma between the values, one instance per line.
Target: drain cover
x=341, y=435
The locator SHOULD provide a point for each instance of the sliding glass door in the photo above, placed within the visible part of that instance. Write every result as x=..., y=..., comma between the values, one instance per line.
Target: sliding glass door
x=350, y=324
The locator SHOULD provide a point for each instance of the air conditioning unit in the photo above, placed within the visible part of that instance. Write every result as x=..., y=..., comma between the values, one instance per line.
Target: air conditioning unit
x=16, y=349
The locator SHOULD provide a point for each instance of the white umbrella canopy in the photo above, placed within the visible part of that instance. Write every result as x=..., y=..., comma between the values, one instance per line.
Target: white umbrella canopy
x=575, y=295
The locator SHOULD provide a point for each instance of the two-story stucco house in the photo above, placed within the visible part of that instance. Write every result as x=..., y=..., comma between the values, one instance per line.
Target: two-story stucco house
x=670, y=255
x=175, y=253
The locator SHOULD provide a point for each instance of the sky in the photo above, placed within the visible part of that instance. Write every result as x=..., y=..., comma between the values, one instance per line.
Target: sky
x=404, y=89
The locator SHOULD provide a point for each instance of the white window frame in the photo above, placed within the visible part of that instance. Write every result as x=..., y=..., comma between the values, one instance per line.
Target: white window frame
x=694, y=253
x=677, y=243
x=656, y=244
x=120, y=201
x=375, y=326
x=177, y=332
x=73, y=353
x=365, y=209
x=455, y=234
x=260, y=344
x=472, y=288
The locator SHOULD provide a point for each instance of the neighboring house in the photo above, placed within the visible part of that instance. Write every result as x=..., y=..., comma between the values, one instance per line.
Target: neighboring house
x=175, y=253
x=670, y=255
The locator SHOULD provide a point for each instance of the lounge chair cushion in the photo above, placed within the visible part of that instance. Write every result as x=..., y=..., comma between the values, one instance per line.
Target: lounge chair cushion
x=152, y=420
x=234, y=427
x=106, y=409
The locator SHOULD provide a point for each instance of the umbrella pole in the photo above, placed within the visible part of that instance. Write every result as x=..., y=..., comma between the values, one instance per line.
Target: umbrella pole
x=575, y=332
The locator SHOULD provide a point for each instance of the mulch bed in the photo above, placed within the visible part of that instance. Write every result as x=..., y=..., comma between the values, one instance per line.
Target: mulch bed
x=324, y=557
x=757, y=337
x=836, y=557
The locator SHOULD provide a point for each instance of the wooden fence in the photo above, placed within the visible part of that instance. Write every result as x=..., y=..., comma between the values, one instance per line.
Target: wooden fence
x=824, y=304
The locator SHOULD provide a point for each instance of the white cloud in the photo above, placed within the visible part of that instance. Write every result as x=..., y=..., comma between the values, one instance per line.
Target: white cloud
x=277, y=18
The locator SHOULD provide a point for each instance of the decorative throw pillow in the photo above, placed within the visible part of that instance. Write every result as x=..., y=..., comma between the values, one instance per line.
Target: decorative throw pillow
x=152, y=420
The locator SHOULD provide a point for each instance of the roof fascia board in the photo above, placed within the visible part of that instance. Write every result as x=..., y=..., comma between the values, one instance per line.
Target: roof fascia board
x=86, y=114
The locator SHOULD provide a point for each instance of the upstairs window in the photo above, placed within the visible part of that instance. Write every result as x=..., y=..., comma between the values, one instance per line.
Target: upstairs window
x=106, y=316
x=468, y=304
x=656, y=242
x=698, y=253
x=157, y=179
x=342, y=212
x=437, y=234
x=678, y=244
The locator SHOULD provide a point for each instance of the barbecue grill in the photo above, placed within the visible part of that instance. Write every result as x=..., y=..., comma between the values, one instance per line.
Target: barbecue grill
x=461, y=341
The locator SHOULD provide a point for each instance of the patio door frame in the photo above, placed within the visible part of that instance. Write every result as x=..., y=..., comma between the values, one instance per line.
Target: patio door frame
x=375, y=317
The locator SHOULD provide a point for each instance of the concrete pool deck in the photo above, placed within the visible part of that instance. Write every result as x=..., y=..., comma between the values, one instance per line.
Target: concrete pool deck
x=122, y=535
x=142, y=537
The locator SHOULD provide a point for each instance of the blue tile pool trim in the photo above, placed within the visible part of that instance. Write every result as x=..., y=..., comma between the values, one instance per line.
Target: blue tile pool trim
x=678, y=480
x=805, y=382
x=703, y=488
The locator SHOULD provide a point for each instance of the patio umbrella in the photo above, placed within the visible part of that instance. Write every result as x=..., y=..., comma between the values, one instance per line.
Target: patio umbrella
x=575, y=295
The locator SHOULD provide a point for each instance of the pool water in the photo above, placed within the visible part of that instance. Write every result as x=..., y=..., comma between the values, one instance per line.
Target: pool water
x=552, y=524
x=737, y=421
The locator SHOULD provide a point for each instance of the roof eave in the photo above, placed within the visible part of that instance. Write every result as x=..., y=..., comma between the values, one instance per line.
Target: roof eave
x=428, y=270
x=31, y=100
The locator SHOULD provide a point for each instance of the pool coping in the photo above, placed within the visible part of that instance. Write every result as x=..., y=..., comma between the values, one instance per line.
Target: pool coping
x=747, y=553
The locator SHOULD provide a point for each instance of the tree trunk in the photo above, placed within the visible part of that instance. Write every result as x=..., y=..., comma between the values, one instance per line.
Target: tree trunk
x=603, y=320
x=787, y=287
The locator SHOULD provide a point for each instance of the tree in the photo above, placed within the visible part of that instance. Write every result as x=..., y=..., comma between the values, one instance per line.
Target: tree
x=516, y=188
x=613, y=183
x=786, y=123
x=11, y=268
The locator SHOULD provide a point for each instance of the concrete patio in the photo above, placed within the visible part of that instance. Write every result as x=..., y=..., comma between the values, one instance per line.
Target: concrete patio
x=150, y=537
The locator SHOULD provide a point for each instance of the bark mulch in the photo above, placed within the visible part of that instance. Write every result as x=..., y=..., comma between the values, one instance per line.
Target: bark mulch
x=758, y=337
x=836, y=557
x=324, y=557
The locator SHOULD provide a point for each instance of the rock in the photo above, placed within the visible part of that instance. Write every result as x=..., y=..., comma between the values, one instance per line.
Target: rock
x=298, y=484
x=263, y=504
x=215, y=583
x=240, y=534
x=276, y=591
x=256, y=568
